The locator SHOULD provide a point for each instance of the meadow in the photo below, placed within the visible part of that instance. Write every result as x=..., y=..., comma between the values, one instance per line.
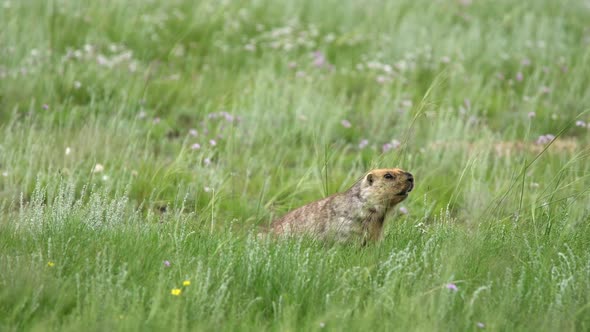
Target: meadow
x=144, y=144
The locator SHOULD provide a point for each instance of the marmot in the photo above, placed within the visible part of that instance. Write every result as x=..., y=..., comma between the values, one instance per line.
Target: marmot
x=354, y=215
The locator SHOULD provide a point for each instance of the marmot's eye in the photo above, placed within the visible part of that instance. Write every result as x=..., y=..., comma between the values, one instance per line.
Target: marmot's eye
x=389, y=176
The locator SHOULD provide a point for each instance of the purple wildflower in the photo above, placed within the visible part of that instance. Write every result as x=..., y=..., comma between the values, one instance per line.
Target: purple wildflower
x=525, y=62
x=103, y=60
x=319, y=62
x=167, y=263
x=195, y=146
x=531, y=115
x=403, y=210
x=345, y=123
x=212, y=142
x=363, y=143
x=580, y=123
x=519, y=76
x=545, y=90
x=545, y=139
x=193, y=132
x=228, y=117
x=45, y=107
x=318, y=59
x=391, y=145
x=480, y=325
x=381, y=79
x=452, y=287
x=386, y=147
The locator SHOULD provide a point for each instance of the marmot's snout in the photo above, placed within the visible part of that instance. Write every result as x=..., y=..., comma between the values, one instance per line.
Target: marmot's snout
x=408, y=184
x=410, y=180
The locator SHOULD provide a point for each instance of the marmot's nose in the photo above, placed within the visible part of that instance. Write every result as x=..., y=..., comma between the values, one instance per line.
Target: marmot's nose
x=410, y=179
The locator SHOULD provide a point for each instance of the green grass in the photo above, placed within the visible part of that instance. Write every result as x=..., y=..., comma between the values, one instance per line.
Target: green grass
x=125, y=85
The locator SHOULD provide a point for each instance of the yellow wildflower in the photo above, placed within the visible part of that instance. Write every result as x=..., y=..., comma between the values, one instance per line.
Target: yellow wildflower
x=176, y=291
x=186, y=283
x=50, y=264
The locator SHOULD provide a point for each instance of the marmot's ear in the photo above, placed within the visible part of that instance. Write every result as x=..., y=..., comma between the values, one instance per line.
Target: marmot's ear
x=370, y=179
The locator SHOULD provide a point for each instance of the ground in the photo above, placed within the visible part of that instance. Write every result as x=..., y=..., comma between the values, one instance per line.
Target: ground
x=144, y=144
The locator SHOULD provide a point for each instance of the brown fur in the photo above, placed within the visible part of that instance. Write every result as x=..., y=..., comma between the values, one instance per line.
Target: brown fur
x=356, y=214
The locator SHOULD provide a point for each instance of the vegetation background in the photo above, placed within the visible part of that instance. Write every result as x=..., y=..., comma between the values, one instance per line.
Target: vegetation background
x=144, y=144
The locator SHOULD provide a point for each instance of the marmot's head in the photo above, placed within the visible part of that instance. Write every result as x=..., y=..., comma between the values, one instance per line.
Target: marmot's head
x=387, y=186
